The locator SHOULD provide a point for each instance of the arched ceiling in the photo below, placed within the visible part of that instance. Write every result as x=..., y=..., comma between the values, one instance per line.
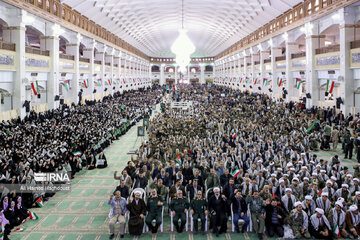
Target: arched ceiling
x=152, y=25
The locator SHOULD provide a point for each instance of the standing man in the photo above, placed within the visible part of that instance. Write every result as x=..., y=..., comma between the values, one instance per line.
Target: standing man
x=217, y=208
x=179, y=206
x=118, y=210
x=274, y=220
x=154, y=207
x=357, y=145
x=199, y=210
x=257, y=210
x=335, y=138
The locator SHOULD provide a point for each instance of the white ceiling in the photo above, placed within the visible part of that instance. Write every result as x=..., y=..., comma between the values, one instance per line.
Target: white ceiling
x=152, y=25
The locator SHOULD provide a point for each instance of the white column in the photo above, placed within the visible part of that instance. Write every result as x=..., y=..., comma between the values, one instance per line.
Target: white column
x=277, y=91
x=162, y=76
x=347, y=19
x=291, y=47
x=100, y=56
x=15, y=33
x=255, y=57
x=202, y=73
x=246, y=74
x=312, y=84
x=89, y=54
x=73, y=49
x=51, y=43
x=150, y=75
x=109, y=58
x=263, y=55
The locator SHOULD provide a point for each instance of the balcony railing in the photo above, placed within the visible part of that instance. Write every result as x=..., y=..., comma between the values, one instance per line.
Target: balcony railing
x=329, y=49
x=97, y=62
x=355, y=44
x=67, y=57
x=267, y=60
x=298, y=55
x=256, y=62
x=281, y=58
x=7, y=46
x=36, y=51
x=108, y=64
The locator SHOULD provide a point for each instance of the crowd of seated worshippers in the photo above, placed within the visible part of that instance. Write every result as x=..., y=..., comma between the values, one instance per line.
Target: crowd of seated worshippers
x=67, y=139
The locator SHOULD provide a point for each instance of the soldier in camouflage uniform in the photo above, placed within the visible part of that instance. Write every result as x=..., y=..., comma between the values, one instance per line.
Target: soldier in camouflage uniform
x=199, y=210
x=154, y=208
x=179, y=207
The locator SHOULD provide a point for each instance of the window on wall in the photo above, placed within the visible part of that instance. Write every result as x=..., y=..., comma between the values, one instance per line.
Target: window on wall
x=208, y=68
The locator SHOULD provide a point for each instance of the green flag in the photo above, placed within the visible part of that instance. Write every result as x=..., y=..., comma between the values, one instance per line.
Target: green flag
x=8, y=132
x=312, y=126
x=123, y=106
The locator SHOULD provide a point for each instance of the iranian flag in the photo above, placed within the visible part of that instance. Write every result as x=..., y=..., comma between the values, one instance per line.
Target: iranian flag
x=2, y=235
x=66, y=85
x=33, y=88
x=33, y=216
x=337, y=230
x=99, y=81
x=235, y=173
x=124, y=80
x=273, y=195
x=234, y=136
x=110, y=81
x=85, y=83
x=40, y=202
x=178, y=160
x=133, y=79
x=240, y=80
x=77, y=153
x=78, y=164
x=255, y=81
x=319, y=193
x=230, y=79
x=279, y=81
x=298, y=83
x=312, y=126
x=19, y=229
x=331, y=89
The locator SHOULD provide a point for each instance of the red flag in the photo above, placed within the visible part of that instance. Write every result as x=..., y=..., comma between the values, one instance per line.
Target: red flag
x=33, y=88
x=85, y=84
x=332, y=87
x=273, y=195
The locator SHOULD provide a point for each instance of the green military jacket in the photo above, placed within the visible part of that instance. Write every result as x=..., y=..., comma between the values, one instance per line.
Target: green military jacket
x=152, y=204
x=199, y=205
x=179, y=204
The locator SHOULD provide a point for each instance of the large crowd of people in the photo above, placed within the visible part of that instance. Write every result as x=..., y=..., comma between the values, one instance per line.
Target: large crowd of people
x=246, y=157
x=67, y=139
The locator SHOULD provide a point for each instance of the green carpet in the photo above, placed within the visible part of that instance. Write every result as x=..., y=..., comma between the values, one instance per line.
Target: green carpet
x=82, y=213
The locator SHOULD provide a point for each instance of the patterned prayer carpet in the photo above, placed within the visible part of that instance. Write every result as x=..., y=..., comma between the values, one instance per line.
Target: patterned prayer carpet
x=83, y=212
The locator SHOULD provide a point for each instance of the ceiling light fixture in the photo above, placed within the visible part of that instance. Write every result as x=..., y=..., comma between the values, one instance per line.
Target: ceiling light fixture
x=183, y=47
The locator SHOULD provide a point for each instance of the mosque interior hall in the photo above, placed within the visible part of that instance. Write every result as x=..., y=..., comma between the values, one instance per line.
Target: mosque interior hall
x=179, y=119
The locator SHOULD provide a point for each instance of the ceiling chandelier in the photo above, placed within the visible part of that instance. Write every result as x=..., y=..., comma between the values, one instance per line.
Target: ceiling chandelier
x=183, y=47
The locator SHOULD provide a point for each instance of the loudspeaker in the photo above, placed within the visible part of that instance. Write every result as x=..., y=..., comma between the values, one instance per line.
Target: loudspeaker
x=57, y=98
x=270, y=90
x=113, y=88
x=326, y=94
x=285, y=92
x=244, y=85
x=61, y=101
x=250, y=86
x=308, y=95
x=39, y=95
x=259, y=88
x=105, y=89
x=94, y=91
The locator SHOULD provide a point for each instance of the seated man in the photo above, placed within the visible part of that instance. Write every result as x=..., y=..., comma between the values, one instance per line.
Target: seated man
x=319, y=225
x=199, y=210
x=239, y=208
x=299, y=222
x=118, y=210
x=352, y=218
x=137, y=209
x=154, y=207
x=124, y=190
x=336, y=218
x=179, y=206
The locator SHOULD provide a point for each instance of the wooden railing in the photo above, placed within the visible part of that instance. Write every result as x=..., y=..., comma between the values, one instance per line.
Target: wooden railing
x=355, y=44
x=108, y=64
x=82, y=59
x=36, y=51
x=280, y=58
x=256, y=62
x=7, y=46
x=248, y=64
x=116, y=65
x=293, y=17
x=267, y=60
x=298, y=55
x=97, y=62
x=68, y=57
x=329, y=49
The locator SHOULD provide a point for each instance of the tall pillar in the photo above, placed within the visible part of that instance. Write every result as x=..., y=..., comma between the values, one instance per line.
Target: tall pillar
x=255, y=57
x=277, y=91
x=100, y=56
x=263, y=55
x=73, y=49
x=347, y=21
x=291, y=47
x=89, y=54
x=109, y=58
x=15, y=33
x=51, y=43
x=202, y=73
x=247, y=60
x=150, y=75
x=312, y=84
x=117, y=60
x=162, y=76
